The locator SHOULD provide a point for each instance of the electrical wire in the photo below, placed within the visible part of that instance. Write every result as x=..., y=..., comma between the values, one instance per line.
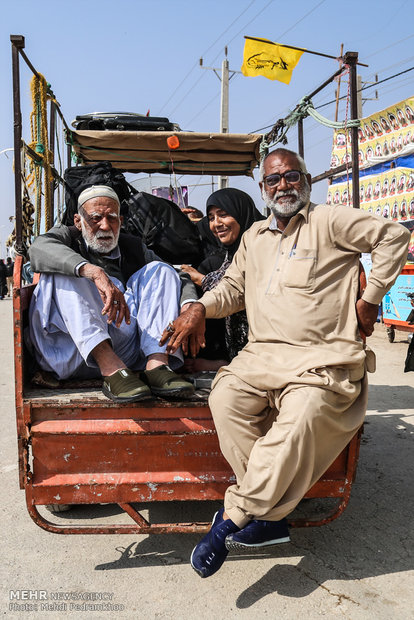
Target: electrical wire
x=202, y=109
x=286, y=111
x=326, y=97
x=382, y=69
x=301, y=19
x=215, y=58
x=206, y=52
x=375, y=84
x=391, y=77
x=382, y=49
x=187, y=93
x=232, y=39
x=244, y=27
x=233, y=22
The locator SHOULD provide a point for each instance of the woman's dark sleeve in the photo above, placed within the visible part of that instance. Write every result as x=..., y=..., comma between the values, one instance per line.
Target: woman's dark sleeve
x=212, y=262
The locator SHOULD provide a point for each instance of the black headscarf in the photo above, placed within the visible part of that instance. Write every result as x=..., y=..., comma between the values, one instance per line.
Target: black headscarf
x=207, y=236
x=213, y=251
x=239, y=205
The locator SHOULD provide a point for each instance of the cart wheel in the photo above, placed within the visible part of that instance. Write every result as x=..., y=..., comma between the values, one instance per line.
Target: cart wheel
x=391, y=333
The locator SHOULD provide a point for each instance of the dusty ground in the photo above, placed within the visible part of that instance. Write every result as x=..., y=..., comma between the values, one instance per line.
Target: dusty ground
x=358, y=567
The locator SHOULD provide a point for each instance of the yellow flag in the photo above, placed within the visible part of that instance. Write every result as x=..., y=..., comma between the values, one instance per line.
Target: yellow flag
x=274, y=61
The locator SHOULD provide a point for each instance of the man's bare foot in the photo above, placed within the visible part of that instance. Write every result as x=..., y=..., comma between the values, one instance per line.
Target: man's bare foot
x=155, y=360
x=109, y=363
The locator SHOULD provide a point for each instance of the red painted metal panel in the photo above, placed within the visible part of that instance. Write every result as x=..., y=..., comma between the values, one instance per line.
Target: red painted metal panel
x=87, y=450
x=125, y=453
x=127, y=426
x=129, y=487
x=99, y=408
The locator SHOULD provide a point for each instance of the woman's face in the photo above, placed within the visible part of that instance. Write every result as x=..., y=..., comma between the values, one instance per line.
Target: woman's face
x=223, y=225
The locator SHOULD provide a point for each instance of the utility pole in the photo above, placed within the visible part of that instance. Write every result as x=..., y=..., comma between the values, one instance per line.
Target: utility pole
x=225, y=77
x=359, y=96
x=224, y=110
x=361, y=99
x=339, y=85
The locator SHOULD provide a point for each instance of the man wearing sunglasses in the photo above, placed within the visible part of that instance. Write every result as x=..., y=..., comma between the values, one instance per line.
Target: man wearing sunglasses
x=292, y=399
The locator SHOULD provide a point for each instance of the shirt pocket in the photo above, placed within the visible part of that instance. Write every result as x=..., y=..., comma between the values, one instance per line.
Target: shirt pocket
x=300, y=269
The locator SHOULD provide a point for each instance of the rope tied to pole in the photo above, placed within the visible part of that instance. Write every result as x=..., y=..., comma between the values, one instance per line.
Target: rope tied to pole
x=303, y=109
x=40, y=90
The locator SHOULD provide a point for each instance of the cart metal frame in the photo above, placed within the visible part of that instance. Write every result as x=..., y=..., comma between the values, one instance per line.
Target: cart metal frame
x=76, y=447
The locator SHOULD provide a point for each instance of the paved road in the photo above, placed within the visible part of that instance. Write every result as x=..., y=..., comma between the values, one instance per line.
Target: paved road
x=358, y=567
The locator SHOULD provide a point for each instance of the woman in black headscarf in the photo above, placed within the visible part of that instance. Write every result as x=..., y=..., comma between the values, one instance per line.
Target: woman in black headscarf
x=230, y=213
x=213, y=251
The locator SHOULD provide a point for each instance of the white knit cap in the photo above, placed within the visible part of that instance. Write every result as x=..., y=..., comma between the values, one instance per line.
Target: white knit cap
x=97, y=191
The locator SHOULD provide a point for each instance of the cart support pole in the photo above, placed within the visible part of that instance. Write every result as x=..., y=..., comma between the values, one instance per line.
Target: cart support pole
x=17, y=42
x=52, y=150
x=351, y=59
x=300, y=137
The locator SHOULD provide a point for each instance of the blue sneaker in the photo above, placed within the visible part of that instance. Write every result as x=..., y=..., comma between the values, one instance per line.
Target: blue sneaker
x=257, y=534
x=208, y=556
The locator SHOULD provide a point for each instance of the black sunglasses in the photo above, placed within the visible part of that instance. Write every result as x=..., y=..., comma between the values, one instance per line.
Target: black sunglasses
x=291, y=176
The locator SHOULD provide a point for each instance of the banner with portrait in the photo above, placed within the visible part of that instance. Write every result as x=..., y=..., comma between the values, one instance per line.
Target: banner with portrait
x=390, y=194
x=382, y=136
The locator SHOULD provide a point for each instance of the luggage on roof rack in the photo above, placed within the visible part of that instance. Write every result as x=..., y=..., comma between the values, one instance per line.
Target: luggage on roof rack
x=123, y=121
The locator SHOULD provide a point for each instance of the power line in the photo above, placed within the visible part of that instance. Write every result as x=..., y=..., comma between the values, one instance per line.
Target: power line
x=232, y=39
x=316, y=125
x=388, y=46
x=187, y=92
x=391, y=77
x=386, y=27
x=373, y=74
x=395, y=86
x=203, y=108
x=244, y=27
x=215, y=58
x=206, y=52
x=233, y=22
x=382, y=69
x=301, y=19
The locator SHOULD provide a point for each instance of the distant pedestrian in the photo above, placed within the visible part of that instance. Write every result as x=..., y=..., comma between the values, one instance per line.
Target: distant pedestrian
x=3, y=285
x=9, y=276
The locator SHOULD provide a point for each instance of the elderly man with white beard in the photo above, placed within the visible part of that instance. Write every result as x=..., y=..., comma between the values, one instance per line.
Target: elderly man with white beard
x=102, y=301
x=291, y=400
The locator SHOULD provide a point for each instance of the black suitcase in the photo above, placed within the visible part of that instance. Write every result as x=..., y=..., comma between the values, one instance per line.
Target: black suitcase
x=123, y=121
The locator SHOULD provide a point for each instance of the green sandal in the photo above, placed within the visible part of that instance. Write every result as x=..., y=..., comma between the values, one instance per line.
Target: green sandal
x=166, y=383
x=125, y=387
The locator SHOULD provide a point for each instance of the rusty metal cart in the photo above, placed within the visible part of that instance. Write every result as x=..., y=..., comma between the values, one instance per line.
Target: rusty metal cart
x=77, y=447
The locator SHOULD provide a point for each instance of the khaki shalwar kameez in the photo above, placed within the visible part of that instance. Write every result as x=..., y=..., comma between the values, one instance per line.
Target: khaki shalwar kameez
x=296, y=394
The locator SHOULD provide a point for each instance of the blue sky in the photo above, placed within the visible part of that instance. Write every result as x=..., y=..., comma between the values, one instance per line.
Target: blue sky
x=139, y=55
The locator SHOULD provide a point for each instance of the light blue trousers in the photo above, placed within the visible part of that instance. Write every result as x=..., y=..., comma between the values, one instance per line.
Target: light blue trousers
x=66, y=322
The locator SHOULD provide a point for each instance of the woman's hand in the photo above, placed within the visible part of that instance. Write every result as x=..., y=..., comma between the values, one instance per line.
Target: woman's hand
x=195, y=275
x=187, y=331
x=115, y=306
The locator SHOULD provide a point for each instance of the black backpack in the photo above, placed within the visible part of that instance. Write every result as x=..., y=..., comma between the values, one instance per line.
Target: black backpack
x=79, y=178
x=164, y=228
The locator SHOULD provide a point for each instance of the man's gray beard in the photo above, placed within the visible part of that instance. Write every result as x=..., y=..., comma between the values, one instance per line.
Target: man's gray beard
x=287, y=210
x=95, y=243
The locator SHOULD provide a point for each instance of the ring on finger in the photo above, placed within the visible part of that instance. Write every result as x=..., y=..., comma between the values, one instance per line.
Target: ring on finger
x=116, y=302
x=170, y=327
